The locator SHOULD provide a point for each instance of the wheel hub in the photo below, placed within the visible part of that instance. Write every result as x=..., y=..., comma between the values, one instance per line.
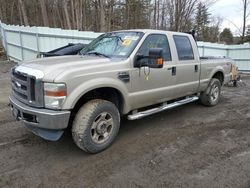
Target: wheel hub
x=215, y=93
x=101, y=128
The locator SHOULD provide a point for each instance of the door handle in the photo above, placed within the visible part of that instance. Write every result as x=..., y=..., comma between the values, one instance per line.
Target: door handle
x=196, y=68
x=173, y=69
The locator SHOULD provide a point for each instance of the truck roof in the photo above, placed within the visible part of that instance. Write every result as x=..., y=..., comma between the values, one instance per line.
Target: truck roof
x=153, y=31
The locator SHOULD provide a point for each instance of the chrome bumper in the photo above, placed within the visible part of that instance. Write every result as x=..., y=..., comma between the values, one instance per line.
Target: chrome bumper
x=39, y=118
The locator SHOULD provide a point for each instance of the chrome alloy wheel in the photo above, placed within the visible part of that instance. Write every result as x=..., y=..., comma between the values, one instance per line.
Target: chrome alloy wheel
x=215, y=92
x=102, y=127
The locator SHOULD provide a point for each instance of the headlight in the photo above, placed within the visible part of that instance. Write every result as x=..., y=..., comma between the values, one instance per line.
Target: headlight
x=54, y=95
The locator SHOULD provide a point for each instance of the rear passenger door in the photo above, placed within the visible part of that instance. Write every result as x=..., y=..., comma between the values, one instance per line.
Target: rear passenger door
x=187, y=66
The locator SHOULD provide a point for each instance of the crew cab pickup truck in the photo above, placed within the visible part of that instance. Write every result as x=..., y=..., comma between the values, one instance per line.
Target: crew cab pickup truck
x=132, y=73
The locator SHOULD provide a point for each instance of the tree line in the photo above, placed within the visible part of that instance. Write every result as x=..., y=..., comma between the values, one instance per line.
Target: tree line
x=108, y=15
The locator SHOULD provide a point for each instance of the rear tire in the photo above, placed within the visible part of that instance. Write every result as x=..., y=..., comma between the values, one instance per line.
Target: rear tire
x=211, y=96
x=96, y=125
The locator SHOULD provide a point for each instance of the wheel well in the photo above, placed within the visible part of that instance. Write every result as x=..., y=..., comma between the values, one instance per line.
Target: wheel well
x=106, y=93
x=219, y=76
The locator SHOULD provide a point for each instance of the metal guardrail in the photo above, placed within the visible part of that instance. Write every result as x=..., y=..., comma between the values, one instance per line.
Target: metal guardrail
x=24, y=43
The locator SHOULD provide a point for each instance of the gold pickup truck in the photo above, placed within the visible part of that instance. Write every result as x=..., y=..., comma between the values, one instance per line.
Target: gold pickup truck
x=132, y=73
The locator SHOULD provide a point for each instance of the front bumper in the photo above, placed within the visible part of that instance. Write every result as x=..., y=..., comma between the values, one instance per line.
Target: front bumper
x=39, y=118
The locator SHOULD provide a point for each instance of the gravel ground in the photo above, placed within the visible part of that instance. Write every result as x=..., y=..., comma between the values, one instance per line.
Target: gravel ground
x=189, y=146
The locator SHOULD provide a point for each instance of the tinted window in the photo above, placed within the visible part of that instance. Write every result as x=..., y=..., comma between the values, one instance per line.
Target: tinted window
x=156, y=41
x=184, y=48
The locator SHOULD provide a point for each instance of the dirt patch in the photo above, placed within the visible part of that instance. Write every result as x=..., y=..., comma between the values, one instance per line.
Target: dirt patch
x=2, y=53
x=189, y=146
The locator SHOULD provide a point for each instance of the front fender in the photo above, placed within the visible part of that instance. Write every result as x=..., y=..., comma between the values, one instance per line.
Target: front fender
x=87, y=86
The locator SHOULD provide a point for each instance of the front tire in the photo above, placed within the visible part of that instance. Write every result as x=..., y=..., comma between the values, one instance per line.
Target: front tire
x=96, y=125
x=211, y=96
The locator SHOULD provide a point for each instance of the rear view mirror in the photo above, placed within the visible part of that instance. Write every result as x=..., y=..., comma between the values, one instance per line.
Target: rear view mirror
x=153, y=60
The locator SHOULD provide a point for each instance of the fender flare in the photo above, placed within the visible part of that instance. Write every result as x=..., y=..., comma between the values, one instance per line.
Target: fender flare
x=93, y=84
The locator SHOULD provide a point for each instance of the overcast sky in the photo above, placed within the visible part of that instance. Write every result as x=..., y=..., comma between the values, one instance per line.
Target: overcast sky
x=231, y=12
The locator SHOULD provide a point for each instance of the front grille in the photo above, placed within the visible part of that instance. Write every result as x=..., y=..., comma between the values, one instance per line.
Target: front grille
x=27, y=89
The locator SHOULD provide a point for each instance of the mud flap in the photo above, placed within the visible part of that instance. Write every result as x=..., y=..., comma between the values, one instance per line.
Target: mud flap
x=51, y=135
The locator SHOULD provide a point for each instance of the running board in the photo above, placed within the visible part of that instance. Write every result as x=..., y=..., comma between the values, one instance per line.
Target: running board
x=139, y=115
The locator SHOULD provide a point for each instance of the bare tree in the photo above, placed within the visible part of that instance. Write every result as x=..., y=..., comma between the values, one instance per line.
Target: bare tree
x=246, y=14
x=66, y=14
x=20, y=15
x=163, y=15
x=12, y=11
x=158, y=15
x=180, y=13
x=101, y=4
x=102, y=15
x=59, y=15
x=23, y=12
x=44, y=13
x=73, y=18
x=155, y=13
x=1, y=13
x=80, y=18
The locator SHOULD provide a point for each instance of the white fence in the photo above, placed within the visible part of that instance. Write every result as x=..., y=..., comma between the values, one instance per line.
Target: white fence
x=24, y=43
x=239, y=53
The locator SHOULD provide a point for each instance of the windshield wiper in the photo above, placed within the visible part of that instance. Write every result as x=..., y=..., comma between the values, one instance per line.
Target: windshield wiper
x=97, y=53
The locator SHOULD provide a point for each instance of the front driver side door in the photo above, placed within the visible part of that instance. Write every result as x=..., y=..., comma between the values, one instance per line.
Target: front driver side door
x=149, y=85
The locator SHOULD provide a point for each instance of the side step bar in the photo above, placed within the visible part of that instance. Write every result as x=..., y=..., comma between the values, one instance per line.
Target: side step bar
x=139, y=115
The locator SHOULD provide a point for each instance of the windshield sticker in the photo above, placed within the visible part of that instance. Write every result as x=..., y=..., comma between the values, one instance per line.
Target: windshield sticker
x=126, y=42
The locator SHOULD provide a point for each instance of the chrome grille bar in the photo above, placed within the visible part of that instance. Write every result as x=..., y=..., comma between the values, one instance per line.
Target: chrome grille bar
x=26, y=87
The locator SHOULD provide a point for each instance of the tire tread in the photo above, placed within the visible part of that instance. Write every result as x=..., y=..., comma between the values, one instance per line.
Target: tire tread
x=83, y=120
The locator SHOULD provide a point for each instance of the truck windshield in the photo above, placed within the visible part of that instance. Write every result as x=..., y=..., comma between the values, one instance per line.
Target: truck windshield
x=116, y=44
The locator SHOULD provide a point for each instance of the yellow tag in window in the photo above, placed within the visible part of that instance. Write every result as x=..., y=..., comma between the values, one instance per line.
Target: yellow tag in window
x=126, y=42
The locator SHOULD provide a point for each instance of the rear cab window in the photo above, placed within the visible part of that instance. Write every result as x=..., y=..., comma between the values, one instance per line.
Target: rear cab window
x=183, y=47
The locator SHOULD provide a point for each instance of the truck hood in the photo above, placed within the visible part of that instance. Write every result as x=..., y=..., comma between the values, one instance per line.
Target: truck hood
x=53, y=66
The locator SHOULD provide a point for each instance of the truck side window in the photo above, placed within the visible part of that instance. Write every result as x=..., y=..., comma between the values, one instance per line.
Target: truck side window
x=156, y=41
x=184, y=47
